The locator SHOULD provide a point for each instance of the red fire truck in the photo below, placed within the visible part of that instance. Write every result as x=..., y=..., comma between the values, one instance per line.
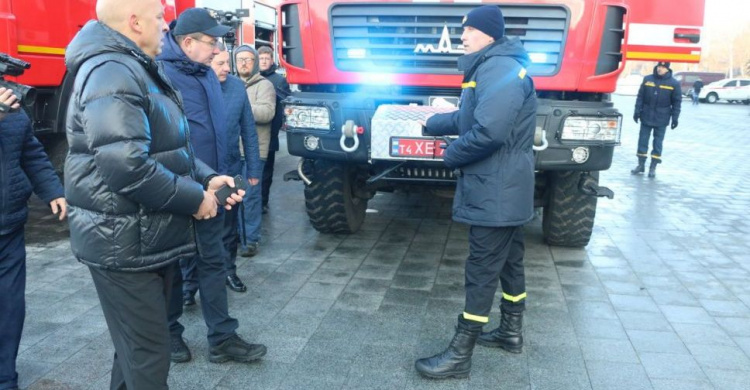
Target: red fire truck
x=366, y=69
x=39, y=31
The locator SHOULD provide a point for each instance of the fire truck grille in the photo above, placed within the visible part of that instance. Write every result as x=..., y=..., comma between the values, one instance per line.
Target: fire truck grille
x=426, y=38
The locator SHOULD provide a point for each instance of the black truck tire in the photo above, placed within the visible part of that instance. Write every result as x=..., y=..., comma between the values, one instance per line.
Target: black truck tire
x=56, y=147
x=568, y=218
x=330, y=199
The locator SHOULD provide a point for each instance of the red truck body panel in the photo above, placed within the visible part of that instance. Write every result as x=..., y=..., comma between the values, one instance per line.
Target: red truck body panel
x=581, y=46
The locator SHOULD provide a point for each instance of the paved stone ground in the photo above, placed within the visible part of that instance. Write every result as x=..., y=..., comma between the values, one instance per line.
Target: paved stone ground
x=659, y=299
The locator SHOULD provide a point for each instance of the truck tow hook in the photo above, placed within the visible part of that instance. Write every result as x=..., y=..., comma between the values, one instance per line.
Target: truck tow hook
x=349, y=130
x=588, y=186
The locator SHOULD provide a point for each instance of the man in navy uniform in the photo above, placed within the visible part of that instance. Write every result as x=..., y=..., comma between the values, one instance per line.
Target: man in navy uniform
x=659, y=100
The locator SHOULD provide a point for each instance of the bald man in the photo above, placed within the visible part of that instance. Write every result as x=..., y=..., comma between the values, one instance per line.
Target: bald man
x=132, y=182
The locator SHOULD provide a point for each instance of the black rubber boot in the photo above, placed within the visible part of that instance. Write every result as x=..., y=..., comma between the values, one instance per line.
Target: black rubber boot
x=641, y=166
x=455, y=361
x=507, y=336
x=652, y=169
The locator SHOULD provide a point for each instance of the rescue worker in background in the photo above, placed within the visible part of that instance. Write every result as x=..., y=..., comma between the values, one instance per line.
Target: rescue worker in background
x=188, y=51
x=697, y=86
x=263, y=102
x=242, y=151
x=659, y=99
x=495, y=124
x=268, y=70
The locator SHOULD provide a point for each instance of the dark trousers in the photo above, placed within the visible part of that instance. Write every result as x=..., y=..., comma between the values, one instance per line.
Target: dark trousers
x=209, y=266
x=495, y=256
x=135, y=308
x=658, y=141
x=231, y=238
x=12, y=304
x=267, y=176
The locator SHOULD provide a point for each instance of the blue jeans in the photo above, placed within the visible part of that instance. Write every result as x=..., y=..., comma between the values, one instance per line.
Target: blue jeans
x=657, y=145
x=12, y=304
x=251, y=213
x=210, y=265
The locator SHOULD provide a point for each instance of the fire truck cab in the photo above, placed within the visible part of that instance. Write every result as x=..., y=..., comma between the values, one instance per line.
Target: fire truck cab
x=367, y=71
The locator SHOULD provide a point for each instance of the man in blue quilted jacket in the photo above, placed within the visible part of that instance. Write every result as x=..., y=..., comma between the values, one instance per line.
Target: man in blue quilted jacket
x=24, y=167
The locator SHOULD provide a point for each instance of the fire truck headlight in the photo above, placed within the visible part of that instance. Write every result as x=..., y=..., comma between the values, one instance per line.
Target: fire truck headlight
x=307, y=117
x=592, y=129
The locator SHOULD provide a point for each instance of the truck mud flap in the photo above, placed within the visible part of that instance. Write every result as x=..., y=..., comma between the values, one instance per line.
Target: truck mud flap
x=589, y=186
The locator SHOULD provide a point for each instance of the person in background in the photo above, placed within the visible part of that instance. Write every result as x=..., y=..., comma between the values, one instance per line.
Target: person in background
x=188, y=51
x=24, y=168
x=132, y=184
x=493, y=154
x=696, y=91
x=659, y=100
x=268, y=70
x=242, y=152
x=263, y=102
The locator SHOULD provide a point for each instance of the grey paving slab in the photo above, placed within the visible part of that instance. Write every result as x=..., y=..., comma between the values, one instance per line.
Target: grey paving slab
x=658, y=299
x=613, y=376
x=651, y=341
x=671, y=366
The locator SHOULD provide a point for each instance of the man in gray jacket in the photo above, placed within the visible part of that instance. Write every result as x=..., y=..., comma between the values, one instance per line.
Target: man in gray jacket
x=132, y=184
x=495, y=124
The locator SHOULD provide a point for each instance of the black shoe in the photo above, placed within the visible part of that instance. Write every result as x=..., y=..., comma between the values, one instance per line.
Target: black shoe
x=250, y=251
x=455, y=361
x=652, y=169
x=237, y=349
x=507, y=336
x=235, y=283
x=188, y=300
x=180, y=350
x=641, y=166
x=265, y=209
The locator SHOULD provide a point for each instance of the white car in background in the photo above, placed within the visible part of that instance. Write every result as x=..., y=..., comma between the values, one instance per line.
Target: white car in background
x=731, y=90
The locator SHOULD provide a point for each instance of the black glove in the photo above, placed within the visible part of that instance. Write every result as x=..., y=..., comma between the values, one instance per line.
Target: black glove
x=674, y=123
x=636, y=117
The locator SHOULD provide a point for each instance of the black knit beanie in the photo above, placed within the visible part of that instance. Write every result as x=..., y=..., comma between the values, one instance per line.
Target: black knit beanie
x=487, y=19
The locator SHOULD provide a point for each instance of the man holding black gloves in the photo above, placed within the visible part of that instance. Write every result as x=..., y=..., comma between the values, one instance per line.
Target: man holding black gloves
x=659, y=100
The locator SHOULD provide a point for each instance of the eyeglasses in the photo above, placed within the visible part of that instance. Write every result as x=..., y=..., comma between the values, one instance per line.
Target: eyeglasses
x=213, y=43
x=244, y=61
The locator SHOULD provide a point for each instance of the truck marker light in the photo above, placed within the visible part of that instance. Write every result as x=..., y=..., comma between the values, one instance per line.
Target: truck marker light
x=356, y=53
x=538, y=58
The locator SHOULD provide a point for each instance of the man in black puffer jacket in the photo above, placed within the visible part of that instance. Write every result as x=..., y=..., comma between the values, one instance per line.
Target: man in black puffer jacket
x=659, y=100
x=24, y=167
x=131, y=181
x=493, y=155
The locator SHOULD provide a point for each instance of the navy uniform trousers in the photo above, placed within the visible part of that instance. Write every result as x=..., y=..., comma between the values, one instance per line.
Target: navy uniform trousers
x=643, y=137
x=12, y=304
x=495, y=256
